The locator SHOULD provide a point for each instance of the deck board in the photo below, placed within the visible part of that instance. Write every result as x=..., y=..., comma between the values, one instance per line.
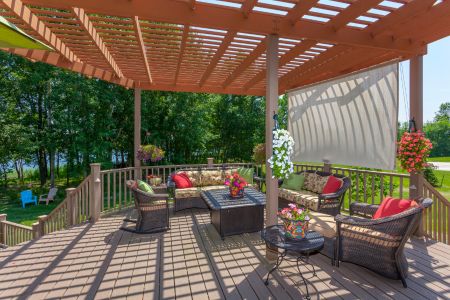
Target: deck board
x=100, y=261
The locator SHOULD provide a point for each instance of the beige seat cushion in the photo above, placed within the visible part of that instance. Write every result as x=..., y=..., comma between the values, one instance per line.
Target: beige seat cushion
x=194, y=177
x=195, y=191
x=322, y=223
x=187, y=193
x=305, y=198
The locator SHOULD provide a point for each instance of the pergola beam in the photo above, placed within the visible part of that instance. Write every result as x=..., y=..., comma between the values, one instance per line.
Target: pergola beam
x=87, y=25
x=247, y=7
x=247, y=62
x=349, y=14
x=299, y=10
x=285, y=59
x=219, y=53
x=218, y=17
x=58, y=60
x=138, y=33
x=33, y=21
x=181, y=53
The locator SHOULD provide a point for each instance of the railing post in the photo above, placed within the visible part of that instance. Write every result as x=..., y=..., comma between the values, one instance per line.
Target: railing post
x=2, y=229
x=326, y=166
x=35, y=228
x=71, y=207
x=96, y=193
x=210, y=162
x=40, y=225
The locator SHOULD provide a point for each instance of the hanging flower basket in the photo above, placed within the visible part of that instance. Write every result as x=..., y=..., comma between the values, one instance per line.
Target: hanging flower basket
x=413, y=150
x=280, y=161
x=150, y=153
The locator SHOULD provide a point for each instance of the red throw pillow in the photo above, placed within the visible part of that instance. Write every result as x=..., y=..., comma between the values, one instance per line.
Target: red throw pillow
x=392, y=206
x=182, y=181
x=332, y=186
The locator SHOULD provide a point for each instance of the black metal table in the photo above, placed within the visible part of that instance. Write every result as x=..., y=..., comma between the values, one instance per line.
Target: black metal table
x=311, y=244
x=232, y=216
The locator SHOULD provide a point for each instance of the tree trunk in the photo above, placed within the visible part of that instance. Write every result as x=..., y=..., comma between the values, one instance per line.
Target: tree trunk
x=42, y=162
x=52, y=168
x=57, y=164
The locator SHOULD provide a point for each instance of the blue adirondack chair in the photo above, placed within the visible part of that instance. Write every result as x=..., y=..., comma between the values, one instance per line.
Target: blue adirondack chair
x=27, y=197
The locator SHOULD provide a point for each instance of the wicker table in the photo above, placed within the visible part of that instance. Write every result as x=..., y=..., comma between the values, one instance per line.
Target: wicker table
x=232, y=216
x=311, y=244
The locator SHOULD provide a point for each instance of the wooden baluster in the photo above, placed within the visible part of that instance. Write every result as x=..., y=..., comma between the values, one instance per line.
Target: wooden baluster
x=365, y=187
x=401, y=187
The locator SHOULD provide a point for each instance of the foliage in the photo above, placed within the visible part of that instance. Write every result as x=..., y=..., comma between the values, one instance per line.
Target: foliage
x=259, y=154
x=439, y=134
x=429, y=175
x=413, y=151
x=150, y=153
x=444, y=113
x=280, y=161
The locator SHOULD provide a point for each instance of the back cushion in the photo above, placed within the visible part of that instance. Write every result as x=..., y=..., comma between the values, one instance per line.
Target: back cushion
x=194, y=177
x=392, y=206
x=212, y=177
x=319, y=183
x=247, y=174
x=309, y=179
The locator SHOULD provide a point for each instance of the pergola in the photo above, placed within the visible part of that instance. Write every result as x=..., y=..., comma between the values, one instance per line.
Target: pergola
x=246, y=47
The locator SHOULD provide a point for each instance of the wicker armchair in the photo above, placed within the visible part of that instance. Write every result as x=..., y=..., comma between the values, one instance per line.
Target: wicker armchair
x=377, y=244
x=152, y=209
x=329, y=204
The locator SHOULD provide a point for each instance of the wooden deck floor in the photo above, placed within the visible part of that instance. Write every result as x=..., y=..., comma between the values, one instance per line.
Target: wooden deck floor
x=191, y=262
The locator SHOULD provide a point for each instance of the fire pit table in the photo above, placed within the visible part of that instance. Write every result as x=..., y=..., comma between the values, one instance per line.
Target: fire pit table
x=232, y=216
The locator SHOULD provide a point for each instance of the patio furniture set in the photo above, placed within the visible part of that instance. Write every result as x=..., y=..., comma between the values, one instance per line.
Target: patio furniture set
x=27, y=197
x=376, y=244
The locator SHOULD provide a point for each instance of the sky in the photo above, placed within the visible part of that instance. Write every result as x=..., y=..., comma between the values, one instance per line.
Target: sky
x=436, y=81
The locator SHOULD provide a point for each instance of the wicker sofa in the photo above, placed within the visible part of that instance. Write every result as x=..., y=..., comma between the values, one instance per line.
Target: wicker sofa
x=311, y=197
x=202, y=179
x=377, y=244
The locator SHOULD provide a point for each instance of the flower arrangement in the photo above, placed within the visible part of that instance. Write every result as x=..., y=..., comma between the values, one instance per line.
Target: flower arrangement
x=236, y=184
x=283, y=147
x=150, y=152
x=413, y=151
x=295, y=220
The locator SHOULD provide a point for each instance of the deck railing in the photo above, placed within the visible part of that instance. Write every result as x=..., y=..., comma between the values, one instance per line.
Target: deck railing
x=12, y=234
x=367, y=186
x=106, y=190
x=436, y=219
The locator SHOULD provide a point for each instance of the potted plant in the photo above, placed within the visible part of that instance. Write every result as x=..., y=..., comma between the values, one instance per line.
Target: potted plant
x=295, y=220
x=154, y=180
x=236, y=184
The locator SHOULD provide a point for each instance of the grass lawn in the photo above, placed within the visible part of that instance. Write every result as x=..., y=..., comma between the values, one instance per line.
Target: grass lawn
x=10, y=201
x=439, y=159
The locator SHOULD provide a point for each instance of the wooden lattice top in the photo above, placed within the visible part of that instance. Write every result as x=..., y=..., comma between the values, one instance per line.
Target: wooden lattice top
x=219, y=46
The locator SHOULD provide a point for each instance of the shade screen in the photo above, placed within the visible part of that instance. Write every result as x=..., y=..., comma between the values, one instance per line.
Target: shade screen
x=350, y=120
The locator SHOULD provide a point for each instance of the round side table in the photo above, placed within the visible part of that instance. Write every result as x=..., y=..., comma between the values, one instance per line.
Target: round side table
x=303, y=248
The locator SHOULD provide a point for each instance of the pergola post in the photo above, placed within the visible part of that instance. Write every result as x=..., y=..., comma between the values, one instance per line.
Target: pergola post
x=416, y=113
x=271, y=107
x=137, y=131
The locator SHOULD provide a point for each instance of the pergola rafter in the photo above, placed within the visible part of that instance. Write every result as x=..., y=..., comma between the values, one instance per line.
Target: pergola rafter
x=84, y=21
x=138, y=32
x=224, y=48
x=32, y=21
x=257, y=52
x=183, y=42
x=220, y=51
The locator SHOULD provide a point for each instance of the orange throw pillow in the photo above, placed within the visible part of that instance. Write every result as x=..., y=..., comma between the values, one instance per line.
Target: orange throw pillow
x=392, y=206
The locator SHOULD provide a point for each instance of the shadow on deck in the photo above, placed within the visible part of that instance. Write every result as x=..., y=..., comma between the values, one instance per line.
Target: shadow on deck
x=191, y=262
